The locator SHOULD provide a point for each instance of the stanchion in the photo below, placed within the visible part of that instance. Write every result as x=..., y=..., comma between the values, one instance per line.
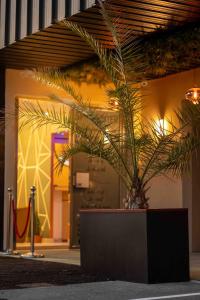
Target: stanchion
x=32, y=254
x=10, y=232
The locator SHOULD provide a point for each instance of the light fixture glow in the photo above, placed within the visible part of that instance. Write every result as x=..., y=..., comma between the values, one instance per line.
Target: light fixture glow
x=193, y=95
x=161, y=126
x=106, y=141
x=114, y=103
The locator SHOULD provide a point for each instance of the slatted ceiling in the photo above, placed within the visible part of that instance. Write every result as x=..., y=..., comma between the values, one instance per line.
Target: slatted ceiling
x=55, y=39
x=179, y=5
x=57, y=46
x=69, y=39
x=50, y=47
x=98, y=28
x=61, y=28
x=32, y=63
x=62, y=32
x=36, y=60
x=164, y=7
x=57, y=51
x=42, y=53
x=152, y=15
x=148, y=18
x=62, y=45
x=93, y=20
x=137, y=25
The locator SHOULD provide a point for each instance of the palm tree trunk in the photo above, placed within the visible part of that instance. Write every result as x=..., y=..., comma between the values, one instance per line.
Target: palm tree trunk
x=136, y=198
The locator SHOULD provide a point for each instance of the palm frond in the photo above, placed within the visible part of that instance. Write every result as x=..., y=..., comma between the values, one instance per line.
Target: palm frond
x=138, y=151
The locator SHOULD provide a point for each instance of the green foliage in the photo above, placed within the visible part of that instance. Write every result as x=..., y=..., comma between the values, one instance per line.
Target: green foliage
x=139, y=151
x=164, y=52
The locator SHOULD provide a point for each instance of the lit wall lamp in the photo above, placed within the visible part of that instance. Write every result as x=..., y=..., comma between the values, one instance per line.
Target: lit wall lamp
x=193, y=94
x=114, y=103
x=106, y=140
x=161, y=126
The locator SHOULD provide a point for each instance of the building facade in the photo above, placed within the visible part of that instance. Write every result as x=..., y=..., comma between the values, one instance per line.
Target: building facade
x=32, y=35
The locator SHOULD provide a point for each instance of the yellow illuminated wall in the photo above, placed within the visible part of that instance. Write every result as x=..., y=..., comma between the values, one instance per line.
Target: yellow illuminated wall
x=34, y=168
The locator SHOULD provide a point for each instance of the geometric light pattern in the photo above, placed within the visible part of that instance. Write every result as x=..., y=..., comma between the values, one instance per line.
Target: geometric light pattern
x=34, y=168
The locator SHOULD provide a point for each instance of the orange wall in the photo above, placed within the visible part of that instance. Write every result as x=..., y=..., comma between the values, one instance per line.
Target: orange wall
x=162, y=95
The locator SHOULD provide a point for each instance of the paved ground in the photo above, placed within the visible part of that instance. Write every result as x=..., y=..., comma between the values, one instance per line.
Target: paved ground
x=16, y=273
x=110, y=290
x=64, y=256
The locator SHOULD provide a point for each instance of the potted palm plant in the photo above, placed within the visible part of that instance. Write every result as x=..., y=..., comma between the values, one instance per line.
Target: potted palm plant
x=134, y=243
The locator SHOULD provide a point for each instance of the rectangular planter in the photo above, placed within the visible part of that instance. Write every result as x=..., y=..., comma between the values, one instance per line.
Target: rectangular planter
x=147, y=246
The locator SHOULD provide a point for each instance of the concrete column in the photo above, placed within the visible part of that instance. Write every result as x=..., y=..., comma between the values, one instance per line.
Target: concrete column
x=10, y=155
x=2, y=160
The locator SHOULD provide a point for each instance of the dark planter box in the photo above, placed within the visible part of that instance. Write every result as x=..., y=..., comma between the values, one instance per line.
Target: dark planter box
x=147, y=246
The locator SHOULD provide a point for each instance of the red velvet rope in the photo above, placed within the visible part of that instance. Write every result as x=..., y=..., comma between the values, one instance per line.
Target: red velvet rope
x=20, y=235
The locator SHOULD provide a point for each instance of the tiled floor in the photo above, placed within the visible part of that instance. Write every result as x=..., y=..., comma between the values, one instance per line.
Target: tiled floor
x=62, y=255
x=43, y=245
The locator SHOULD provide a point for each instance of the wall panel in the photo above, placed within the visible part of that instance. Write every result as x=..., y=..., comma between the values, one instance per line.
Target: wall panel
x=19, y=18
x=2, y=22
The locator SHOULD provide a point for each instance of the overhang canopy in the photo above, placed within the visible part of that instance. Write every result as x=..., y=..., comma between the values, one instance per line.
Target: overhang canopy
x=56, y=46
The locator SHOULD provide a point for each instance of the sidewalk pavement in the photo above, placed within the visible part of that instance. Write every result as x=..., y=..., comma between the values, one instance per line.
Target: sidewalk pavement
x=110, y=290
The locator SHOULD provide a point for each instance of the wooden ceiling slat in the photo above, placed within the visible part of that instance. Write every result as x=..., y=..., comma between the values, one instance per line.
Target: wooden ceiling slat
x=34, y=44
x=35, y=58
x=45, y=49
x=194, y=4
x=37, y=52
x=127, y=17
x=101, y=28
x=54, y=39
x=27, y=65
x=21, y=56
x=136, y=25
x=129, y=12
x=168, y=4
x=52, y=33
x=64, y=31
x=61, y=37
x=36, y=61
x=156, y=6
x=64, y=41
x=149, y=8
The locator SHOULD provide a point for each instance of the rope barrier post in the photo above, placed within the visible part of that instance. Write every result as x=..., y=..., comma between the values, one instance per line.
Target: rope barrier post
x=32, y=253
x=9, y=237
x=10, y=223
x=33, y=191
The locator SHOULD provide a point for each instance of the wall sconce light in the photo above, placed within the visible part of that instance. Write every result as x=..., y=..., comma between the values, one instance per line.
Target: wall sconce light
x=106, y=141
x=114, y=103
x=193, y=95
x=161, y=126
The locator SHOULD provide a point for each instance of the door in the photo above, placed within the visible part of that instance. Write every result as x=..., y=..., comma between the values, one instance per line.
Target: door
x=60, y=194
